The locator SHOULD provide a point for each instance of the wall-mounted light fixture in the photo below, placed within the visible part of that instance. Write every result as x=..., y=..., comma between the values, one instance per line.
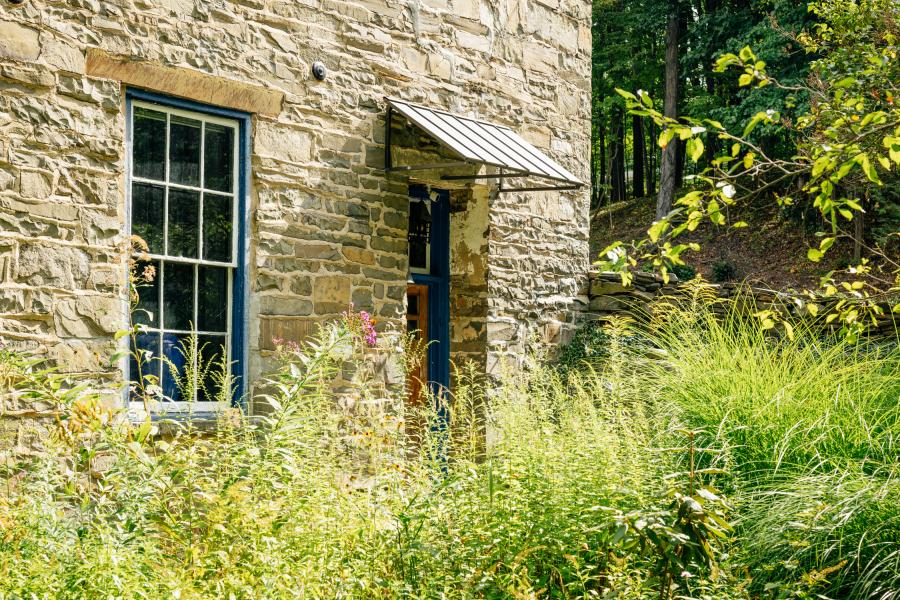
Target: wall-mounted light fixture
x=319, y=71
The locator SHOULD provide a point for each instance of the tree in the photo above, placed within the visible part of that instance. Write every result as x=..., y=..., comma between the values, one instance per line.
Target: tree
x=667, y=174
x=637, y=145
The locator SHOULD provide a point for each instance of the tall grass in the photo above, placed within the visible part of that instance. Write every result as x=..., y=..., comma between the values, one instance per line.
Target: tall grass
x=602, y=482
x=320, y=501
x=811, y=425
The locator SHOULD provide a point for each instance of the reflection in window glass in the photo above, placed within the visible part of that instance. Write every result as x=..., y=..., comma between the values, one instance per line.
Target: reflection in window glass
x=178, y=296
x=217, y=220
x=184, y=151
x=218, y=162
x=147, y=206
x=184, y=222
x=212, y=313
x=177, y=363
x=147, y=288
x=212, y=353
x=148, y=353
x=149, y=144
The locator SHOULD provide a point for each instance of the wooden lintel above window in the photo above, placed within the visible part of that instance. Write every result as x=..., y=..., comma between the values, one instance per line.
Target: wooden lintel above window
x=184, y=83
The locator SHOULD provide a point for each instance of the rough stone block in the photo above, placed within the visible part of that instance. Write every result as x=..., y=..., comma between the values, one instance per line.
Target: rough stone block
x=331, y=293
x=54, y=266
x=18, y=42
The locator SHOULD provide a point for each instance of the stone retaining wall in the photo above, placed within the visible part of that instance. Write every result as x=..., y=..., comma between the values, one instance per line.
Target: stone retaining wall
x=609, y=297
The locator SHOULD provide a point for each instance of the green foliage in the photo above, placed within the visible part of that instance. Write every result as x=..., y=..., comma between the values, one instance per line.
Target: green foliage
x=848, y=145
x=739, y=465
x=589, y=345
x=724, y=270
x=684, y=272
x=807, y=433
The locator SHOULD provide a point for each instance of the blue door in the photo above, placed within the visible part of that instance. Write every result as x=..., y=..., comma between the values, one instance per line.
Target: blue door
x=429, y=292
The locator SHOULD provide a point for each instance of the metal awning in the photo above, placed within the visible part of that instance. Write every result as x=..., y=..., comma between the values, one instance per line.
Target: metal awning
x=476, y=142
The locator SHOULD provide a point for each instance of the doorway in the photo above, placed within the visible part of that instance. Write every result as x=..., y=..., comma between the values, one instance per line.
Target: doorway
x=428, y=288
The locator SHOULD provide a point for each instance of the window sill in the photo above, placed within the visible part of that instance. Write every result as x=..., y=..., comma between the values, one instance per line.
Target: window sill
x=167, y=424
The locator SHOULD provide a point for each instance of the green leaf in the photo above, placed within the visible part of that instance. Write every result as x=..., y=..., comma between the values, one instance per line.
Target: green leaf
x=657, y=229
x=868, y=168
x=814, y=255
x=666, y=136
x=745, y=79
x=695, y=148
x=845, y=82
x=746, y=54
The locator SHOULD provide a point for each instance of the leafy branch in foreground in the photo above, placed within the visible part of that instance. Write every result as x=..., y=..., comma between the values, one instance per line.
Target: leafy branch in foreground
x=848, y=146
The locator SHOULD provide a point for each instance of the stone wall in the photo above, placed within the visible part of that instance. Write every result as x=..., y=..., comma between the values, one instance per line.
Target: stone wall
x=327, y=226
x=608, y=297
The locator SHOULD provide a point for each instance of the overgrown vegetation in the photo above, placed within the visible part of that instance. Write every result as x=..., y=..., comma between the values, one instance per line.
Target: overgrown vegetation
x=741, y=466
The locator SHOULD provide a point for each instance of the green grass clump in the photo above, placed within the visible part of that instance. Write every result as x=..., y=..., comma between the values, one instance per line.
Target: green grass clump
x=322, y=500
x=811, y=427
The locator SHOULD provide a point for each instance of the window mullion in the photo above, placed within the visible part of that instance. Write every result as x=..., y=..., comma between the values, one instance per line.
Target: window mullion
x=194, y=327
x=202, y=184
x=165, y=248
x=162, y=324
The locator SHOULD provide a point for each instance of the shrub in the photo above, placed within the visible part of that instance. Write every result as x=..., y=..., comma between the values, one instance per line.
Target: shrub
x=724, y=270
x=684, y=272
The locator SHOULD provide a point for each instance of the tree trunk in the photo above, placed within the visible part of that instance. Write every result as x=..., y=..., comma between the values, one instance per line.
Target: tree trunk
x=602, y=185
x=637, y=135
x=680, y=148
x=617, y=158
x=667, y=162
x=859, y=230
x=650, y=162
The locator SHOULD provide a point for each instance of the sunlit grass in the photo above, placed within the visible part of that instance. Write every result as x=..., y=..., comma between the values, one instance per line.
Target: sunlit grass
x=542, y=485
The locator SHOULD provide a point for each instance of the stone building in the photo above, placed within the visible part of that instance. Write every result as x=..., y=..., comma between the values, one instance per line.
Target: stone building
x=245, y=142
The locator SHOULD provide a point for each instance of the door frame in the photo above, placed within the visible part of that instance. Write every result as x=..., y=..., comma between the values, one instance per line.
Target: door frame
x=438, y=283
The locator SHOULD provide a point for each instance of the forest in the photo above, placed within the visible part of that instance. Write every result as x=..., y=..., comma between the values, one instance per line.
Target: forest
x=669, y=53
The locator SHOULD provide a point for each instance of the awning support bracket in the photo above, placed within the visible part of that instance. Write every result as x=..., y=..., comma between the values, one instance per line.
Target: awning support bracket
x=540, y=188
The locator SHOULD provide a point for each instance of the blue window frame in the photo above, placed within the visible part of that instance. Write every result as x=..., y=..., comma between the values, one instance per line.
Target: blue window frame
x=187, y=174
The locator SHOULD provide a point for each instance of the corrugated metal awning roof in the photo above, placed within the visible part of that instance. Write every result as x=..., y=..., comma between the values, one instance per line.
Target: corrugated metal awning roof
x=479, y=142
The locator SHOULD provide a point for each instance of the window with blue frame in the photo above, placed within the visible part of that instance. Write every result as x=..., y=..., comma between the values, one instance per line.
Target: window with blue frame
x=185, y=202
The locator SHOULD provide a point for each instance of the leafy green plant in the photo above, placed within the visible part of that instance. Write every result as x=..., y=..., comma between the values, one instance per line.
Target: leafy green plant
x=724, y=270
x=684, y=272
x=807, y=428
x=607, y=481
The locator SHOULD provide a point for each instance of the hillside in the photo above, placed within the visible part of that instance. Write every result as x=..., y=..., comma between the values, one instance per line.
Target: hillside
x=770, y=252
